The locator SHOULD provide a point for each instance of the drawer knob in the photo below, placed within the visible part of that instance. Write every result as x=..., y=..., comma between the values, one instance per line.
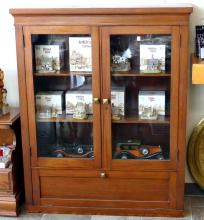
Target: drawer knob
x=103, y=175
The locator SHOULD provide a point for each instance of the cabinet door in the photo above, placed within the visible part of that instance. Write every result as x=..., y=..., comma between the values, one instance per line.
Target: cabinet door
x=63, y=95
x=140, y=97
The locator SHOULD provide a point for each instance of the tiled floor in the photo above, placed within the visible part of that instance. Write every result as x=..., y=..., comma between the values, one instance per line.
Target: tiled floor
x=194, y=210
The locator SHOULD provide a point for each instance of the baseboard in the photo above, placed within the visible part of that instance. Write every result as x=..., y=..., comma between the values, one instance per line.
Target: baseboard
x=193, y=189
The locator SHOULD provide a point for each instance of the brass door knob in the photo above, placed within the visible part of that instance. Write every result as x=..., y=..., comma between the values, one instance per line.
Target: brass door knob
x=105, y=101
x=96, y=100
x=103, y=175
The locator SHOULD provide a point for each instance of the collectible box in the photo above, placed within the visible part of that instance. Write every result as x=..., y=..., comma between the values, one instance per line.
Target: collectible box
x=49, y=103
x=152, y=58
x=79, y=96
x=80, y=54
x=118, y=99
x=49, y=58
x=151, y=104
x=85, y=96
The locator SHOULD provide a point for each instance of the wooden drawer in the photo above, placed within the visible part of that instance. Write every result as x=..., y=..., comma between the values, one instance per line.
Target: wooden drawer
x=6, y=179
x=117, y=189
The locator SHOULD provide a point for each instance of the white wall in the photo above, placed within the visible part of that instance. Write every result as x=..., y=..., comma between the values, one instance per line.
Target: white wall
x=8, y=53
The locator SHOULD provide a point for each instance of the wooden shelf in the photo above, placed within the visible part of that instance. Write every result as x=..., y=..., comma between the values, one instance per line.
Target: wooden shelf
x=136, y=120
x=140, y=74
x=197, y=70
x=66, y=118
x=63, y=74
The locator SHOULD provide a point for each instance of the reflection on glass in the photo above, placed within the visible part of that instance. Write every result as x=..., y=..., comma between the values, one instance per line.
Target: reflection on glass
x=62, y=70
x=140, y=97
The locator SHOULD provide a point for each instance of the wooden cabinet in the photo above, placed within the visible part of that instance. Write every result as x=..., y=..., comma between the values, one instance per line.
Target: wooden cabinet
x=103, y=104
x=11, y=178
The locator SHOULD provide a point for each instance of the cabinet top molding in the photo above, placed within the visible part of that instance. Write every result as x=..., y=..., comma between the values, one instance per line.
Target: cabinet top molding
x=102, y=11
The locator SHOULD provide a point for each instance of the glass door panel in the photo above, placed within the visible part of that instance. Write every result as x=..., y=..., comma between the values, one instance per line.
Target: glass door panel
x=62, y=78
x=62, y=66
x=141, y=72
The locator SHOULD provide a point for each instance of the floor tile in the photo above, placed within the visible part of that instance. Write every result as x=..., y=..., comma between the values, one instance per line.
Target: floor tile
x=167, y=218
x=197, y=213
x=197, y=201
x=65, y=217
x=105, y=217
x=23, y=217
x=187, y=207
x=134, y=218
x=162, y=218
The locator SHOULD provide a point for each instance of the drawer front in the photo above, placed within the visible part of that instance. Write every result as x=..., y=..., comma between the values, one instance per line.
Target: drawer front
x=116, y=189
x=5, y=179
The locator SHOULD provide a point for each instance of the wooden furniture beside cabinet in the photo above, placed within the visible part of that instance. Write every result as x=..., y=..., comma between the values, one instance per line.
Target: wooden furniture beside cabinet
x=87, y=166
x=11, y=178
x=197, y=70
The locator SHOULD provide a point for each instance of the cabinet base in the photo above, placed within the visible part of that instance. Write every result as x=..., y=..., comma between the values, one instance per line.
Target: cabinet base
x=106, y=211
x=10, y=205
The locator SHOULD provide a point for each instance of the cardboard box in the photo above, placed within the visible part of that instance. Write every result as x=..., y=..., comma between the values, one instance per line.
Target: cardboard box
x=152, y=58
x=152, y=99
x=49, y=103
x=72, y=97
x=118, y=99
x=80, y=54
x=49, y=58
x=85, y=96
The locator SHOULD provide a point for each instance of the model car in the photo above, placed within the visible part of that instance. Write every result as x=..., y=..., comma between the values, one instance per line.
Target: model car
x=135, y=150
x=74, y=151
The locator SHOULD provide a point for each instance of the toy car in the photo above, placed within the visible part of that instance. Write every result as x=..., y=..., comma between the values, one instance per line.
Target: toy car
x=134, y=150
x=74, y=151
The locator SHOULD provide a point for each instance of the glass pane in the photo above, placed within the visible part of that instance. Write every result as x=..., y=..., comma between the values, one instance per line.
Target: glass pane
x=62, y=73
x=140, y=96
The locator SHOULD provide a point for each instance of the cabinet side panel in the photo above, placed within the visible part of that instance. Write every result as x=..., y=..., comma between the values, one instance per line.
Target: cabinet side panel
x=23, y=113
x=182, y=114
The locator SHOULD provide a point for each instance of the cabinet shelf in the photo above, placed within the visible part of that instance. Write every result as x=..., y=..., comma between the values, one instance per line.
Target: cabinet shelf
x=136, y=120
x=63, y=74
x=66, y=118
x=139, y=74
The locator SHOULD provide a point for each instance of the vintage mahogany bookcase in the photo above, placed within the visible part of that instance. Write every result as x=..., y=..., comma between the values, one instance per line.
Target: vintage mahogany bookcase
x=96, y=165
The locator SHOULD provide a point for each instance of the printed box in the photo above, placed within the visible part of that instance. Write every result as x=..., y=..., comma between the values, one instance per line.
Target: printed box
x=72, y=97
x=151, y=104
x=152, y=58
x=49, y=103
x=49, y=58
x=80, y=54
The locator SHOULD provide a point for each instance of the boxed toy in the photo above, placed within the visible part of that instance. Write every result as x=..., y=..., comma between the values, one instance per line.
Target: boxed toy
x=49, y=103
x=151, y=104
